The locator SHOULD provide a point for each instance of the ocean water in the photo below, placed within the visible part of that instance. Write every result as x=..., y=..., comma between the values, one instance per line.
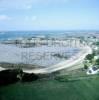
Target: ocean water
x=17, y=34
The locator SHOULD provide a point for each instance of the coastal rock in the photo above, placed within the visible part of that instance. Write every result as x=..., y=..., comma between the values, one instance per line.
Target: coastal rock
x=9, y=76
x=12, y=76
x=29, y=77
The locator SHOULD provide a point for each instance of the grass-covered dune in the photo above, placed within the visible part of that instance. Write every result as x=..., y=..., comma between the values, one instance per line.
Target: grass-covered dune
x=86, y=89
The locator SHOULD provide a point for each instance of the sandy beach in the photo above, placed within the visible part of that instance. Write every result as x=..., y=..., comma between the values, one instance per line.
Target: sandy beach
x=65, y=64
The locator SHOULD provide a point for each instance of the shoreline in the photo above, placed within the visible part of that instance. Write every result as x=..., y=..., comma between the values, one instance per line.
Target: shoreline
x=65, y=64
x=62, y=65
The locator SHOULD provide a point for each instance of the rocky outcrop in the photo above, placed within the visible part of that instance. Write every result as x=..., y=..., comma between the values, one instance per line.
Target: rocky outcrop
x=9, y=76
x=29, y=77
x=12, y=76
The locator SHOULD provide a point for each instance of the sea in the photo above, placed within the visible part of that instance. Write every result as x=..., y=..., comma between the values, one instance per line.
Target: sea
x=5, y=35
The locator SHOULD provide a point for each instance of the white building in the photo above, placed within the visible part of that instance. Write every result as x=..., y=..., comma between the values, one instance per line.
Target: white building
x=92, y=70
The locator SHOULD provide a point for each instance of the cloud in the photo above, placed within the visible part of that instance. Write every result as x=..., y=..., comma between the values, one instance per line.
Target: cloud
x=4, y=17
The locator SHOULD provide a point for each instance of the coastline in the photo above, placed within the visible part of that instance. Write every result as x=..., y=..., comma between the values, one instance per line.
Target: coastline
x=65, y=64
x=62, y=65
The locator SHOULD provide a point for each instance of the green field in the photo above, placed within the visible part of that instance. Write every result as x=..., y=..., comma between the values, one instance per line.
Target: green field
x=86, y=89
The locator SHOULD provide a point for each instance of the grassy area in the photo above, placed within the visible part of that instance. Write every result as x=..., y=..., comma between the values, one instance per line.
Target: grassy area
x=52, y=90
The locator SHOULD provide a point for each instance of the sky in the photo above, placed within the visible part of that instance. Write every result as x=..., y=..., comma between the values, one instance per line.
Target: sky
x=49, y=15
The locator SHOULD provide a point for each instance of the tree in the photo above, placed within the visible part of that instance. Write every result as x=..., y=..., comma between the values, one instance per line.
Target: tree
x=97, y=62
x=90, y=56
x=85, y=67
